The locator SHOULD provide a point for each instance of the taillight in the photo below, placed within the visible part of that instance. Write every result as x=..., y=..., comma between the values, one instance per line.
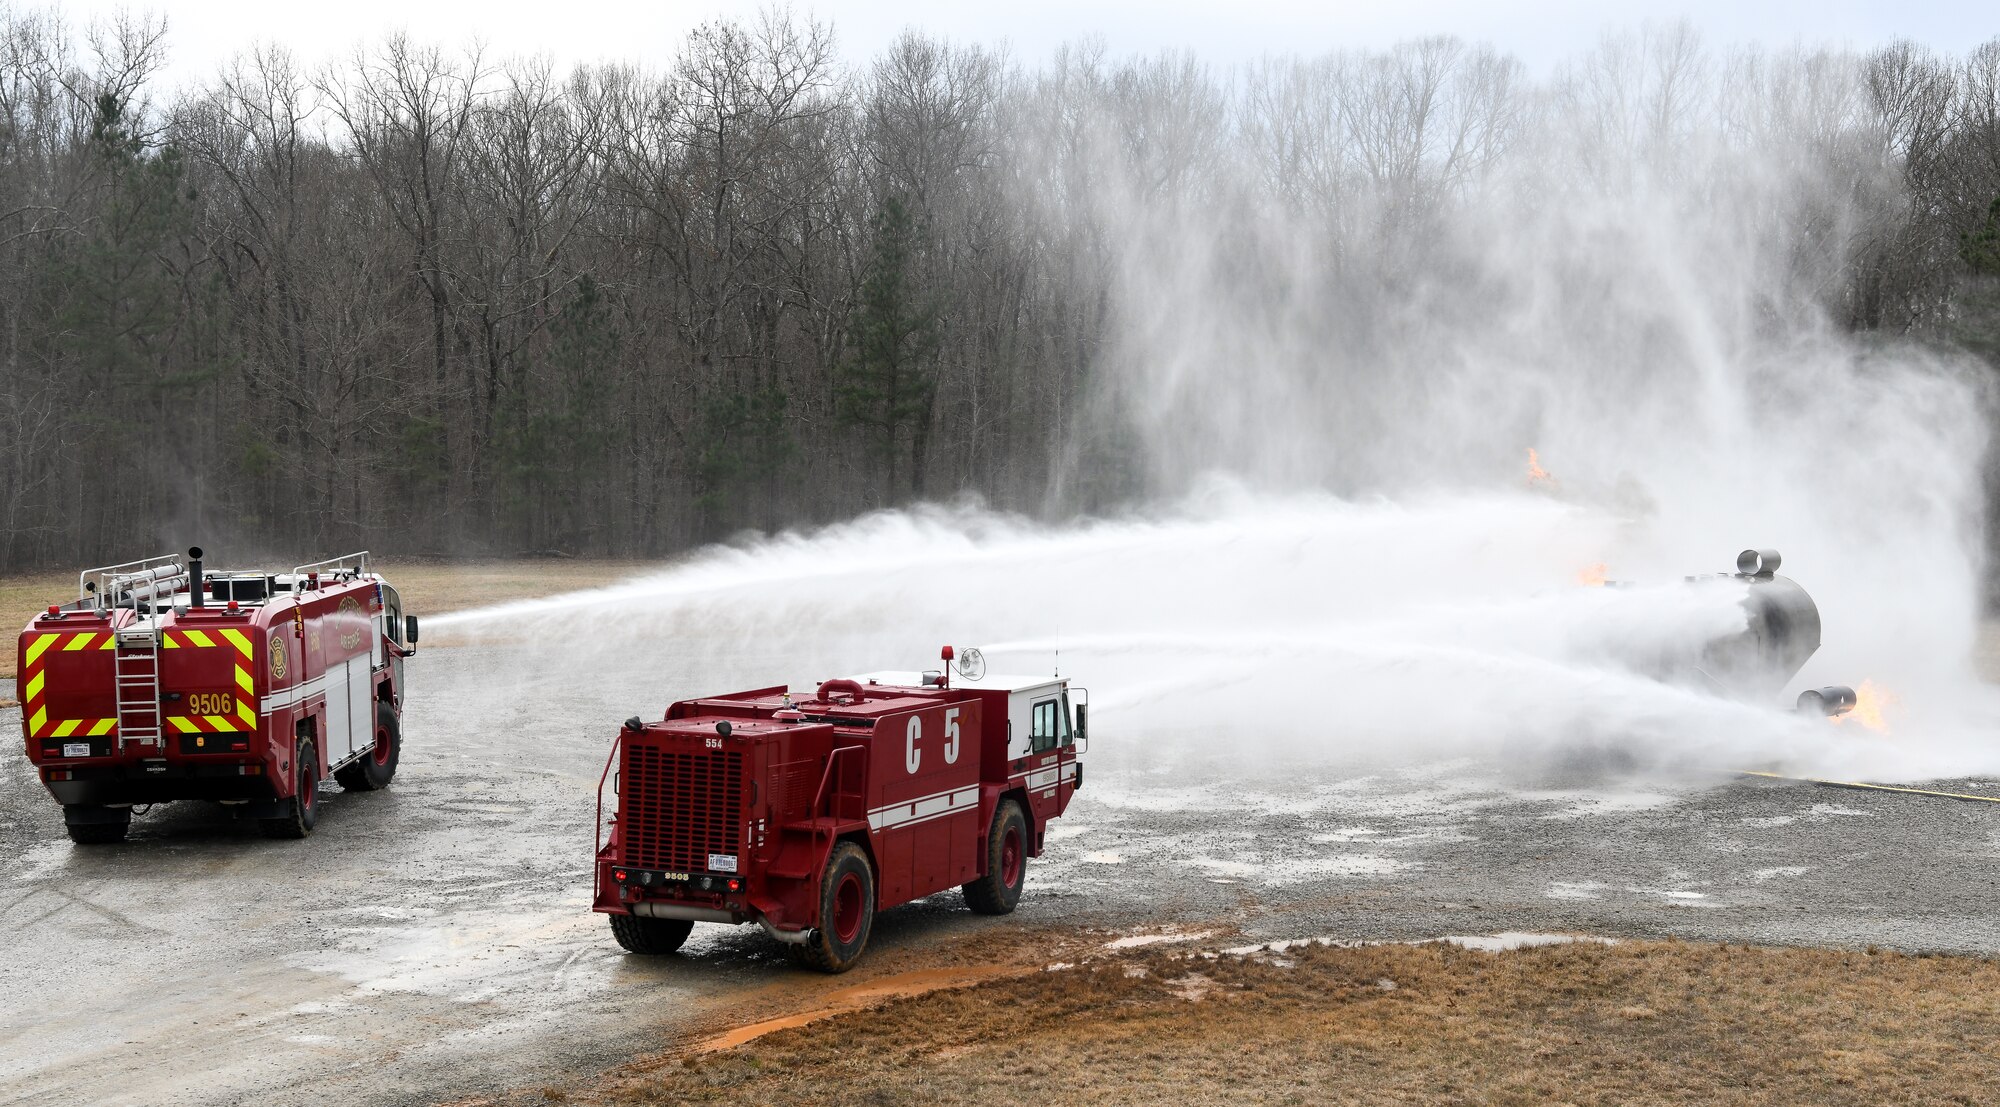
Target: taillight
x=735, y=885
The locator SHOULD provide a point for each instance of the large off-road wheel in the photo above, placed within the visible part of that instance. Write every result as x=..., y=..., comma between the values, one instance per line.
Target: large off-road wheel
x=100, y=826
x=846, y=913
x=999, y=890
x=302, y=809
x=639, y=934
x=374, y=770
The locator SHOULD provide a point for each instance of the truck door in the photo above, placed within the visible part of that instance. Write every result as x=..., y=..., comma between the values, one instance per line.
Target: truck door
x=392, y=625
x=1048, y=728
x=1067, y=751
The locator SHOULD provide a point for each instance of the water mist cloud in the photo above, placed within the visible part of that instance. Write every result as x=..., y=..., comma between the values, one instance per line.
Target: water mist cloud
x=1359, y=288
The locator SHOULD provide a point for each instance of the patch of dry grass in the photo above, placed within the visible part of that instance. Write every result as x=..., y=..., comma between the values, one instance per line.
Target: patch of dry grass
x=21, y=596
x=1636, y=1023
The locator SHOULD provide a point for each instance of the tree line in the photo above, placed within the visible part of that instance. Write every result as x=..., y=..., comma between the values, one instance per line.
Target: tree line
x=426, y=300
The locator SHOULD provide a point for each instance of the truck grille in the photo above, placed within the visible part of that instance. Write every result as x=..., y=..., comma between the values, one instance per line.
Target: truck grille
x=677, y=808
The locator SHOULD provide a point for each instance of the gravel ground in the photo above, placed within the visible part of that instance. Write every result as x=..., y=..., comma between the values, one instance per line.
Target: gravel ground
x=435, y=939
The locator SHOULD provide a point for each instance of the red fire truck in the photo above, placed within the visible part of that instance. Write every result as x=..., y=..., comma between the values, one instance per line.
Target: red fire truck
x=808, y=815
x=164, y=682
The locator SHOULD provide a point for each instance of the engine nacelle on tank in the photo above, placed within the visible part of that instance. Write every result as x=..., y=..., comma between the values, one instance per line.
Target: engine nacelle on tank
x=1781, y=634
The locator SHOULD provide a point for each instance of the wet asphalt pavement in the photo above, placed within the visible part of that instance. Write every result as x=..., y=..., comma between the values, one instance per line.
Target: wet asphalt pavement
x=435, y=940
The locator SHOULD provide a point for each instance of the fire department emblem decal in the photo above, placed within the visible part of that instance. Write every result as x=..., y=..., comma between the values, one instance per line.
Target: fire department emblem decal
x=350, y=609
x=277, y=658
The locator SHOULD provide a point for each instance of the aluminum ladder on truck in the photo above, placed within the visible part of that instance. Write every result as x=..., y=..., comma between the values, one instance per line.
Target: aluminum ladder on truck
x=136, y=671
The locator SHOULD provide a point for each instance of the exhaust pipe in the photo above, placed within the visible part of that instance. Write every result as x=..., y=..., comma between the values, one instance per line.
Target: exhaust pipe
x=196, y=587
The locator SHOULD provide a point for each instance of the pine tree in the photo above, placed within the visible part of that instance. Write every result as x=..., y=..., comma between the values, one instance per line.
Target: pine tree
x=549, y=429
x=745, y=445
x=1981, y=248
x=887, y=385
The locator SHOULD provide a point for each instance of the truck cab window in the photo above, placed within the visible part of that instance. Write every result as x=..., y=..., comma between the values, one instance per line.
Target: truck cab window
x=1047, y=729
x=392, y=611
x=1068, y=731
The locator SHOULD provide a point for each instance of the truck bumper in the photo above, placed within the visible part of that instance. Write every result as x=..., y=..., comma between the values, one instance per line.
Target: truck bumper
x=157, y=782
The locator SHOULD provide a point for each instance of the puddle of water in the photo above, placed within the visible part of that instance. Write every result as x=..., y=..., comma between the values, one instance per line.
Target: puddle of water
x=1485, y=943
x=1103, y=857
x=1579, y=805
x=1221, y=867
x=1300, y=870
x=1134, y=941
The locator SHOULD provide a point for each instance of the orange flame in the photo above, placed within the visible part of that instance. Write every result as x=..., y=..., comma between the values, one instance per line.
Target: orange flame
x=1537, y=474
x=1593, y=576
x=1871, y=703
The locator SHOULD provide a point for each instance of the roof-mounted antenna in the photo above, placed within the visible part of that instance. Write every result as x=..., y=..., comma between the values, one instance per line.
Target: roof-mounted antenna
x=1058, y=662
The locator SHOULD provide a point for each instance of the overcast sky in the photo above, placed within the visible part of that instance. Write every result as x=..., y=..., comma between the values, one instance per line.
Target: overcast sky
x=205, y=32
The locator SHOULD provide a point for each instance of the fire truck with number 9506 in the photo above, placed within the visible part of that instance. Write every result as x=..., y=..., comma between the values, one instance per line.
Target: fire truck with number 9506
x=164, y=682
x=808, y=815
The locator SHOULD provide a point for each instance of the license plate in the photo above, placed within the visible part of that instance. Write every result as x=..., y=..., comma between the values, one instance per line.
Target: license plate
x=76, y=749
x=722, y=862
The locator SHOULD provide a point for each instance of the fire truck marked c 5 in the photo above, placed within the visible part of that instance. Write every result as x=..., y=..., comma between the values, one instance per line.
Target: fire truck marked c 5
x=793, y=813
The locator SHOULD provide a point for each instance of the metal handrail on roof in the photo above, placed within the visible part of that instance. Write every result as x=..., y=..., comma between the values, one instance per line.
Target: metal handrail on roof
x=355, y=561
x=150, y=574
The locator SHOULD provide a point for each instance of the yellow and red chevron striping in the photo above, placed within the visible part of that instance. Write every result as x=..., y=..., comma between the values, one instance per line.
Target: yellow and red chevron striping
x=33, y=681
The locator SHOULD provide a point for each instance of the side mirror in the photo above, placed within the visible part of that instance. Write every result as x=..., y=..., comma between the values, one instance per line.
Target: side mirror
x=410, y=629
x=1083, y=722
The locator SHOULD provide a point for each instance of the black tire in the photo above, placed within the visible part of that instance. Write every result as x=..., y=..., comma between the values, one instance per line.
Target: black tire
x=302, y=809
x=376, y=768
x=100, y=833
x=639, y=934
x=999, y=890
x=846, y=912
